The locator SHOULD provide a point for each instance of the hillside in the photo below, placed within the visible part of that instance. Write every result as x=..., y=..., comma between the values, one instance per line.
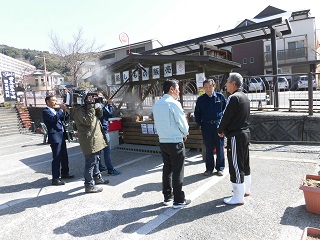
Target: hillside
x=29, y=56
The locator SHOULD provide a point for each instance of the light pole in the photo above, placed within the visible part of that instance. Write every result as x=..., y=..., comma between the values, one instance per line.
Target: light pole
x=45, y=70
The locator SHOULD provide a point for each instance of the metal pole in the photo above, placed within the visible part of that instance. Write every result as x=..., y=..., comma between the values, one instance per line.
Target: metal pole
x=45, y=72
x=310, y=93
x=274, y=68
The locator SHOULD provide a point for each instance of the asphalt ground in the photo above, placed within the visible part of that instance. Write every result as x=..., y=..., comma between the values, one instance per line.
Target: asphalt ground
x=130, y=206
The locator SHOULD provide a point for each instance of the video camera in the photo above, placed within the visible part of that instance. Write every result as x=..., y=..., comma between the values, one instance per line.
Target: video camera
x=81, y=97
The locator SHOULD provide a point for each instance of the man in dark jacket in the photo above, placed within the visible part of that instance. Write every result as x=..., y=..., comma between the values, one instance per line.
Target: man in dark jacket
x=235, y=126
x=92, y=141
x=208, y=112
x=53, y=121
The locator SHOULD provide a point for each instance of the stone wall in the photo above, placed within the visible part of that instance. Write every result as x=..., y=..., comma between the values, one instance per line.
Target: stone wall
x=265, y=126
x=284, y=126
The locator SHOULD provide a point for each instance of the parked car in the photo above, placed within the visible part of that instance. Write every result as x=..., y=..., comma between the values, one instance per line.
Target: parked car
x=283, y=83
x=303, y=82
x=256, y=84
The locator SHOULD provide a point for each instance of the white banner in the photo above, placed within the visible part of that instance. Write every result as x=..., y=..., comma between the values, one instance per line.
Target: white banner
x=180, y=65
x=145, y=74
x=117, y=78
x=135, y=76
x=200, y=77
x=125, y=76
x=155, y=72
x=167, y=68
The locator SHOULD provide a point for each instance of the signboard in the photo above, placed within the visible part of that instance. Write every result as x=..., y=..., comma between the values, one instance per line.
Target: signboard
x=135, y=76
x=9, y=84
x=200, y=77
x=167, y=68
x=155, y=72
x=181, y=67
x=117, y=78
x=145, y=74
x=125, y=75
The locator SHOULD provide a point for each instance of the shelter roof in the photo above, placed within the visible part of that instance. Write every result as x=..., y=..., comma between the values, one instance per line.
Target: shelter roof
x=257, y=31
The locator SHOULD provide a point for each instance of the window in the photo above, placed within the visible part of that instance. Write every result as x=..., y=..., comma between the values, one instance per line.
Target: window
x=296, y=44
x=136, y=50
x=108, y=56
x=244, y=61
x=252, y=60
x=268, y=48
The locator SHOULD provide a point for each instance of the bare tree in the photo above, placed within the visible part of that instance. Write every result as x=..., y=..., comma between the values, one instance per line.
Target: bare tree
x=74, y=54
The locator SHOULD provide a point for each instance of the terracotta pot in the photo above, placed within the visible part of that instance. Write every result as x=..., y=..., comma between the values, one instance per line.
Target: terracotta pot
x=309, y=231
x=311, y=195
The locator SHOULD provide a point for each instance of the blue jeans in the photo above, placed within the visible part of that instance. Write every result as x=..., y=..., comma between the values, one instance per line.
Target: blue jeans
x=91, y=168
x=107, y=155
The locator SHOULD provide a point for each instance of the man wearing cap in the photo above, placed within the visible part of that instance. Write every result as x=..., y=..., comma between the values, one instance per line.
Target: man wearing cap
x=208, y=112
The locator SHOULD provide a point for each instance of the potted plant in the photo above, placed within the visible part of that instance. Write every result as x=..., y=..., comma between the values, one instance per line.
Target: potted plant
x=311, y=190
x=310, y=233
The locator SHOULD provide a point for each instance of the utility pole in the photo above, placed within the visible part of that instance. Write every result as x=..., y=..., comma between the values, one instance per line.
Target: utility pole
x=45, y=72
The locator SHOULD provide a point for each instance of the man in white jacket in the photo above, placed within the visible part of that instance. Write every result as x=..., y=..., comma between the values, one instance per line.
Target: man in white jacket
x=172, y=128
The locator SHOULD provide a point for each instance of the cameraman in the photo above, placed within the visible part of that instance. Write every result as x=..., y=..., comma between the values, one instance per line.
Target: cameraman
x=108, y=111
x=92, y=141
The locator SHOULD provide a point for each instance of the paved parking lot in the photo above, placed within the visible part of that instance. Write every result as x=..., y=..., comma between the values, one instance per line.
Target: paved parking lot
x=130, y=206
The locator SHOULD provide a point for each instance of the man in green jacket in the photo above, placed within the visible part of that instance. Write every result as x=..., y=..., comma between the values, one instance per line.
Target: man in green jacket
x=92, y=141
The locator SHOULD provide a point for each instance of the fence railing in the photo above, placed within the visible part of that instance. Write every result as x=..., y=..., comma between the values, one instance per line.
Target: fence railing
x=291, y=94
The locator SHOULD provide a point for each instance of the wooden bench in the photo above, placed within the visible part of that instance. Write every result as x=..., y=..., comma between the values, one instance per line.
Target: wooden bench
x=302, y=102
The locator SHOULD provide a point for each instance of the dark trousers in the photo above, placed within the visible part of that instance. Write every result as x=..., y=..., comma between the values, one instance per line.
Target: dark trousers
x=60, y=157
x=91, y=168
x=238, y=157
x=173, y=155
x=211, y=139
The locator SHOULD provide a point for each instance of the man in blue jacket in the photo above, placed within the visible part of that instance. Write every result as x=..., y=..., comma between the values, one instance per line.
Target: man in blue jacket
x=53, y=121
x=208, y=112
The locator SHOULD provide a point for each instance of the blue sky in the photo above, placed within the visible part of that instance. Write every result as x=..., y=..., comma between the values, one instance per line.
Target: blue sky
x=27, y=24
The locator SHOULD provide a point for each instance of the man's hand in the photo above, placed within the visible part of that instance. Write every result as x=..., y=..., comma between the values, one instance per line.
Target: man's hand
x=221, y=134
x=63, y=106
x=185, y=139
x=110, y=101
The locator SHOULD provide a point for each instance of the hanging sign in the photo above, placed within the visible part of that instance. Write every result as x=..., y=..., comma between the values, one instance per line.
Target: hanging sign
x=180, y=66
x=200, y=77
x=135, y=76
x=155, y=72
x=117, y=78
x=125, y=76
x=167, y=68
x=145, y=74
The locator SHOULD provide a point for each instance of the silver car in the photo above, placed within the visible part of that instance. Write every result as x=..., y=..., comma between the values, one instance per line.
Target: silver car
x=283, y=83
x=303, y=82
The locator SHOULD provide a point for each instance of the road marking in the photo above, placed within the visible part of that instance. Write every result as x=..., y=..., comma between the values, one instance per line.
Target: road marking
x=161, y=218
x=35, y=164
x=16, y=201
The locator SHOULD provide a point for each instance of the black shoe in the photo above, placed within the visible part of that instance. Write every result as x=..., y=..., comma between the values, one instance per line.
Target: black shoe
x=168, y=200
x=58, y=182
x=177, y=205
x=93, y=189
x=68, y=176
